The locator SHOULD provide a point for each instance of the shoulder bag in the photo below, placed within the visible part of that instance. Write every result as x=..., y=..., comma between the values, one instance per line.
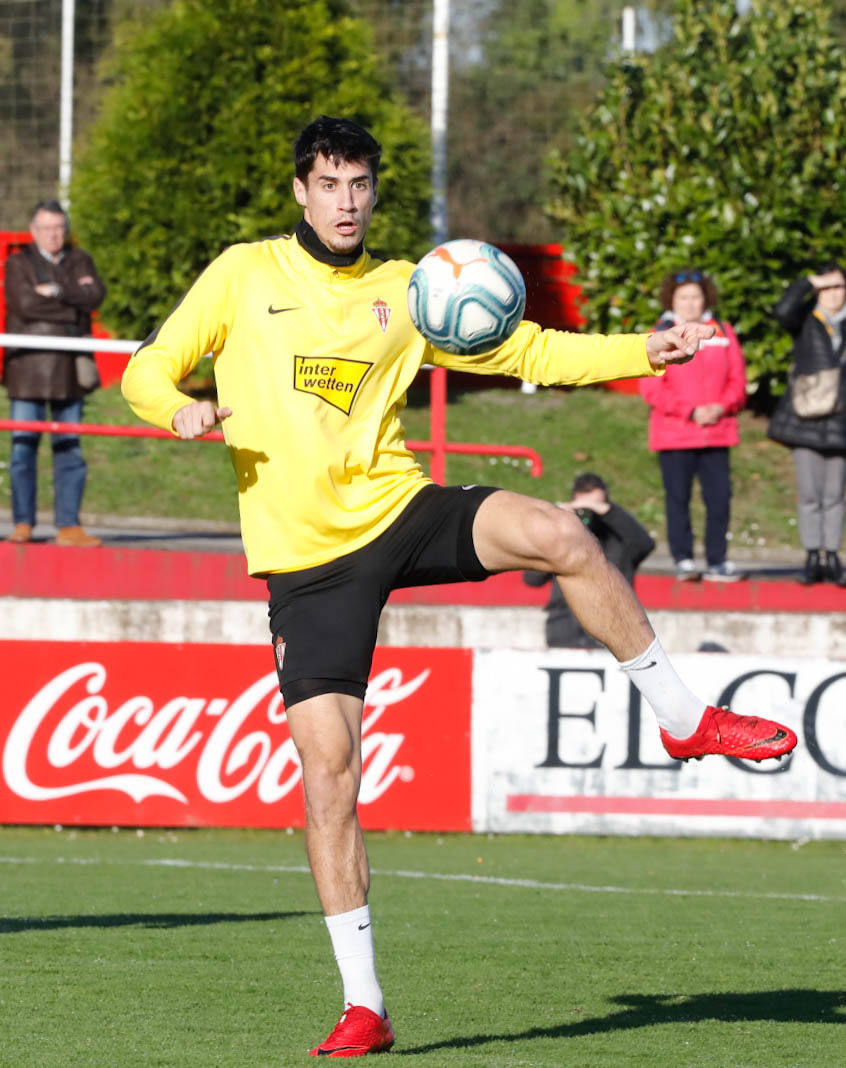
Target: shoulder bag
x=815, y=395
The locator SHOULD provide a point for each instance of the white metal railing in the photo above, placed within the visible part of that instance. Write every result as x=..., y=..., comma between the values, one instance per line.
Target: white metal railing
x=67, y=344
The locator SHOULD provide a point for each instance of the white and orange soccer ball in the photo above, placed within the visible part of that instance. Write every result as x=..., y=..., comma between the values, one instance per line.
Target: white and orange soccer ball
x=466, y=296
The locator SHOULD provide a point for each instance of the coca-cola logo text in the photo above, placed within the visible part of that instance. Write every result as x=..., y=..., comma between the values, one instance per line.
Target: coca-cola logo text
x=235, y=746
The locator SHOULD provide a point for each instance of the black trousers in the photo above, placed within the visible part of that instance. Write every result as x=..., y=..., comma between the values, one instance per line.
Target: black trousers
x=679, y=467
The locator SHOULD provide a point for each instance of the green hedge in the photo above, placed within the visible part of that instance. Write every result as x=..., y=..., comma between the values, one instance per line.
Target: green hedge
x=192, y=151
x=723, y=150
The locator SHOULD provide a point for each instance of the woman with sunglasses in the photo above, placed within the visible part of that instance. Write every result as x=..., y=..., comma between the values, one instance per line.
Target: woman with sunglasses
x=813, y=310
x=693, y=424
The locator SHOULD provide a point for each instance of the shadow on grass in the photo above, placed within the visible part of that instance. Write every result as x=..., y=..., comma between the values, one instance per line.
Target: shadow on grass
x=151, y=920
x=645, y=1010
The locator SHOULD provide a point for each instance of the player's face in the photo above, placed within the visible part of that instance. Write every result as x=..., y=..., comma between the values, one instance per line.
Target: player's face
x=689, y=302
x=48, y=229
x=338, y=199
x=833, y=297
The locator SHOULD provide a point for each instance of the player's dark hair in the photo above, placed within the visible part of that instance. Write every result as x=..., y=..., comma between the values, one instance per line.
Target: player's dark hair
x=674, y=279
x=832, y=265
x=339, y=140
x=588, y=482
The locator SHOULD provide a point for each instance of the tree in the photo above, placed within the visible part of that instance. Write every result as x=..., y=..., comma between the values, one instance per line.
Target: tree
x=192, y=151
x=535, y=67
x=722, y=150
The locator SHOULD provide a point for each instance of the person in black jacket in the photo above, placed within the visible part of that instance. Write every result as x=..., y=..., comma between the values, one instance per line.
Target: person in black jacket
x=813, y=309
x=624, y=541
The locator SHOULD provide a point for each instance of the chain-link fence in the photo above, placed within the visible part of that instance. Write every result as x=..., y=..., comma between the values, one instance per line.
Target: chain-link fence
x=30, y=73
x=521, y=72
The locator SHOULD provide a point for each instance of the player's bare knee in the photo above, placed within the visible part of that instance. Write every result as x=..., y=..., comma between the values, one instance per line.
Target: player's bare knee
x=559, y=537
x=328, y=808
x=543, y=530
x=331, y=787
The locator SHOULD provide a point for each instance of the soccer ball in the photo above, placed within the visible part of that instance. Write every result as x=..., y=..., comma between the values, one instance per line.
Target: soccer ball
x=466, y=296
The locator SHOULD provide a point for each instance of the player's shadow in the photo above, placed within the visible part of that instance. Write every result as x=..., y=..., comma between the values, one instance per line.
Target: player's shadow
x=151, y=920
x=246, y=462
x=651, y=1010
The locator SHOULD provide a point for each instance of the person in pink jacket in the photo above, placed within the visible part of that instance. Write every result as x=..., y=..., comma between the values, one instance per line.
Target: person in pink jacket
x=693, y=424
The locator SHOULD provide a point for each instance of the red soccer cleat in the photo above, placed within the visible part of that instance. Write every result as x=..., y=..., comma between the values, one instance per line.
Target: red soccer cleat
x=358, y=1032
x=722, y=732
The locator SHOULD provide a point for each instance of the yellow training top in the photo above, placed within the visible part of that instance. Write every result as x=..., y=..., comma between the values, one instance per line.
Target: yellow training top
x=314, y=362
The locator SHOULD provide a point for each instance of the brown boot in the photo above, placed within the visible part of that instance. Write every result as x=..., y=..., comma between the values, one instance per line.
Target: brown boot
x=76, y=536
x=22, y=532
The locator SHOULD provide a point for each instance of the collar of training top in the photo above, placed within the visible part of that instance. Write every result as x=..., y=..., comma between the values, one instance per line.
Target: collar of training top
x=312, y=244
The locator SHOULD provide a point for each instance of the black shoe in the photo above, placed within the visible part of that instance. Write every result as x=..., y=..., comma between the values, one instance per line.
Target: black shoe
x=834, y=569
x=813, y=571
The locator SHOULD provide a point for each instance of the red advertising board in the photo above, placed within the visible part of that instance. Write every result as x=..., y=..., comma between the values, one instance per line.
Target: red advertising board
x=153, y=734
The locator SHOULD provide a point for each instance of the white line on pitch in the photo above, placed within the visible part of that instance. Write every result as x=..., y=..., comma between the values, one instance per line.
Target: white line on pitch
x=488, y=880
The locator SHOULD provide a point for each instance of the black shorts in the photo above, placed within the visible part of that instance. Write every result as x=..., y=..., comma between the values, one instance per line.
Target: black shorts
x=324, y=619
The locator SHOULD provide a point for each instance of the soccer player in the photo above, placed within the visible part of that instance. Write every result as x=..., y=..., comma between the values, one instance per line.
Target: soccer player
x=314, y=352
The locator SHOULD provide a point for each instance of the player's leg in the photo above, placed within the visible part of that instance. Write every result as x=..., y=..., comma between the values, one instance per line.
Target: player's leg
x=327, y=733
x=326, y=730
x=324, y=622
x=513, y=532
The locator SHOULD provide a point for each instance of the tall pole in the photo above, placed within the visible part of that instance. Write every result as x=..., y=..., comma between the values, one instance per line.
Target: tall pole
x=66, y=102
x=440, y=102
x=629, y=30
x=438, y=217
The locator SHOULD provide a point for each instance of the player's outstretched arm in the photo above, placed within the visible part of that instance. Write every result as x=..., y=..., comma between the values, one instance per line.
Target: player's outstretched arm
x=678, y=344
x=198, y=418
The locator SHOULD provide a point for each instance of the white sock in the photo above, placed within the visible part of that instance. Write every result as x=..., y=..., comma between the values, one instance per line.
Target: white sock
x=677, y=710
x=352, y=940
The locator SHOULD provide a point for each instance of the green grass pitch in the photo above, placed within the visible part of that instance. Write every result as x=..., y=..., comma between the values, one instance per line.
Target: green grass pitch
x=207, y=948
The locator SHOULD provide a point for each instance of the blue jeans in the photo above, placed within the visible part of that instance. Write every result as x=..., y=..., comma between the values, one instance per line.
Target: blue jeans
x=679, y=467
x=69, y=467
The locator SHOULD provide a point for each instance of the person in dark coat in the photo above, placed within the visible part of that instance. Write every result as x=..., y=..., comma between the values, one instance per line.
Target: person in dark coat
x=624, y=541
x=51, y=289
x=813, y=309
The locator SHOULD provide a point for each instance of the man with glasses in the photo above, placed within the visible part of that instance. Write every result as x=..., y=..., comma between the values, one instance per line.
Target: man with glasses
x=51, y=289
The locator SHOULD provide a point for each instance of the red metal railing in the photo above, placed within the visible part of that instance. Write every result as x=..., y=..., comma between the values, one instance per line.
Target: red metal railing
x=436, y=448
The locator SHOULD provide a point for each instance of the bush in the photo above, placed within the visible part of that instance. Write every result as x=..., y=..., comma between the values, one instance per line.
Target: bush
x=192, y=151
x=723, y=150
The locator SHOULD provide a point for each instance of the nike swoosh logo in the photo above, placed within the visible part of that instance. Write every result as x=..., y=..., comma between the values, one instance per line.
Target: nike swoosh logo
x=363, y=926
x=275, y=311
x=777, y=737
x=645, y=667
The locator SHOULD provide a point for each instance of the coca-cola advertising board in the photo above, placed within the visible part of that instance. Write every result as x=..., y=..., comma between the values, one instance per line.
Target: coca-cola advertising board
x=563, y=743
x=154, y=734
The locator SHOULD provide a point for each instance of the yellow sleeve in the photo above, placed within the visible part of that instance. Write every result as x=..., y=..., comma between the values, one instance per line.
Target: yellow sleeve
x=197, y=325
x=557, y=358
